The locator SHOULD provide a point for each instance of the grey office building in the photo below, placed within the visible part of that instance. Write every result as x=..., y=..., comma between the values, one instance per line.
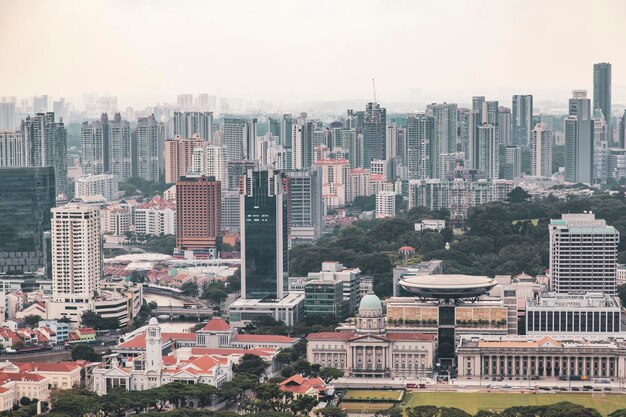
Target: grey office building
x=374, y=133
x=522, y=119
x=602, y=93
x=579, y=140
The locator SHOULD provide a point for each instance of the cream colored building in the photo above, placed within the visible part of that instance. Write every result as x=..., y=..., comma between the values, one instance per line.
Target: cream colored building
x=370, y=351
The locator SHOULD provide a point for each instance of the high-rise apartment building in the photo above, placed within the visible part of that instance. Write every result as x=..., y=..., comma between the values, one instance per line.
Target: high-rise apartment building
x=120, y=148
x=249, y=138
x=187, y=124
x=105, y=185
x=512, y=163
x=27, y=196
x=302, y=143
x=12, y=149
x=522, y=119
x=385, y=204
x=210, y=160
x=335, y=177
x=583, y=254
x=179, y=156
x=198, y=201
x=149, y=151
x=621, y=143
x=374, y=129
x=46, y=140
x=233, y=138
x=76, y=253
x=541, y=151
x=504, y=126
x=444, y=135
x=579, y=147
x=488, y=152
x=264, y=229
x=94, y=138
x=185, y=101
x=286, y=126
x=602, y=93
x=419, y=139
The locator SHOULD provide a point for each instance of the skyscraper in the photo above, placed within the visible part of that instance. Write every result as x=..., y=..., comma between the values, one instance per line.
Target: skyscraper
x=76, y=253
x=583, y=254
x=522, y=119
x=47, y=146
x=12, y=149
x=306, y=213
x=148, y=149
x=477, y=116
x=374, y=127
x=541, y=148
x=419, y=139
x=488, y=152
x=178, y=156
x=198, y=201
x=602, y=93
x=210, y=160
x=302, y=143
x=264, y=235
x=7, y=115
x=504, y=126
x=186, y=124
x=249, y=138
x=286, y=130
x=120, y=148
x=92, y=138
x=27, y=195
x=622, y=131
x=512, y=163
x=579, y=147
x=232, y=138
x=444, y=134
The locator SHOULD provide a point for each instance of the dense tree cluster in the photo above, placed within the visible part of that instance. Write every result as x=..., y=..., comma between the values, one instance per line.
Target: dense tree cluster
x=499, y=238
x=96, y=321
x=562, y=409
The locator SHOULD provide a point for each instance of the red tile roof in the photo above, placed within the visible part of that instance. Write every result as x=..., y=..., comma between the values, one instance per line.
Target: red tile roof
x=300, y=385
x=216, y=325
x=410, y=336
x=262, y=338
x=262, y=352
x=46, y=367
x=20, y=376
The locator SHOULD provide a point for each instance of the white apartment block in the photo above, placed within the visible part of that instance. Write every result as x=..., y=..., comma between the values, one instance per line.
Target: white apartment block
x=115, y=220
x=13, y=149
x=335, y=181
x=385, y=204
x=583, y=254
x=541, y=147
x=210, y=160
x=93, y=185
x=157, y=217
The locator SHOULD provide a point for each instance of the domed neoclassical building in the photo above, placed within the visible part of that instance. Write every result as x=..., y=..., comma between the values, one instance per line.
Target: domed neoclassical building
x=369, y=351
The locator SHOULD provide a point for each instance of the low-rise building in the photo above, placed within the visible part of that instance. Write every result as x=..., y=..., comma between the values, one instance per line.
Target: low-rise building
x=289, y=310
x=324, y=299
x=430, y=224
x=95, y=185
x=156, y=217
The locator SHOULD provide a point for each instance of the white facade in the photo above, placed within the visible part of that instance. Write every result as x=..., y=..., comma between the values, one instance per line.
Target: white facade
x=210, y=160
x=93, y=185
x=155, y=221
x=541, y=147
x=13, y=150
x=289, y=310
x=385, y=204
x=583, y=254
x=335, y=177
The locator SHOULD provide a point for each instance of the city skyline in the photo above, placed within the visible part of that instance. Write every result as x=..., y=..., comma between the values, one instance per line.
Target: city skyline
x=271, y=36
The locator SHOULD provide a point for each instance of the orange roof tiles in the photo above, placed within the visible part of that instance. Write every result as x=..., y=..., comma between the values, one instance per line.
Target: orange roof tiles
x=216, y=325
x=262, y=338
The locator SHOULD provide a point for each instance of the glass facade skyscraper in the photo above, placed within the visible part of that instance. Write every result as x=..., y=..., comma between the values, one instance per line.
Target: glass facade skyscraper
x=264, y=236
x=26, y=197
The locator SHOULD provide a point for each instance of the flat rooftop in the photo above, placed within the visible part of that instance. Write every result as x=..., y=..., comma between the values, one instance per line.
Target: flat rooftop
x=586, y=301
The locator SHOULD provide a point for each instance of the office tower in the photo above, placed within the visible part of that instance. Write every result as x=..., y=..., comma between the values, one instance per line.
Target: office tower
x=40, y=104
x=236, y=170
x=27, y=195
x=120, y=148
x=7, y=115
x=541, y=148
x=504, y=126
x=522, y=119
x=286, y=128
x=444, y=134
x=306, y=209
x=178, y=156
x=46, y=141
x=76, y=254
x=419, y=140
x=617, y=163
x=104, y=185
x=600, y=125
x=622, y=131
x=264, y=229
x=583, y=254
x=198, y=201
x=374, y=127
x=385, y=204
x=302, y=143
x=12, y=149
x=210, y=160
x=274, y=128
x=477, y=117
x=232, y=138
x=579, y=140
x=230, y=211
x=391, y=141
x=92, y=138
x=602, y=93
x=493, y=117
x=249, y=138
x=148, y=156
x=187, y=124
x=488, y=152
x=185, y=101
x=512, y=162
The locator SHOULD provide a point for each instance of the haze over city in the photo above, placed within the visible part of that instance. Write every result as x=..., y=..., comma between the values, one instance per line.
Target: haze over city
x=298, y=51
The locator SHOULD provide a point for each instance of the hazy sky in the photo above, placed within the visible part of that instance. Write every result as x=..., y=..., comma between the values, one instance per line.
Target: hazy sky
x=309, y=50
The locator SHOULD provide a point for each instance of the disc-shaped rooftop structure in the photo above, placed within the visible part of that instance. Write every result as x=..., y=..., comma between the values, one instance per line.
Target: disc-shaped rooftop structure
x=448, y=287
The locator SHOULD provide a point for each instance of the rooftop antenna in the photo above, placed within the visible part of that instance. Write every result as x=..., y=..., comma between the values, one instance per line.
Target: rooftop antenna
x=374, y=84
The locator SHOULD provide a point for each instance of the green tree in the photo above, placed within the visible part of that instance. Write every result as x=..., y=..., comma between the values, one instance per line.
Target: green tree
x=189, y=289
x=518, y=195
x=328, y=374
x=84, y=352
x=32, y=320
x=251, y=364
x=331, y=412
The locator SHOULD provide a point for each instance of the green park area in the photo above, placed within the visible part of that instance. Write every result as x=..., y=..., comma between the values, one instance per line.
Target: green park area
x=473, y=402
x=370, y=401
